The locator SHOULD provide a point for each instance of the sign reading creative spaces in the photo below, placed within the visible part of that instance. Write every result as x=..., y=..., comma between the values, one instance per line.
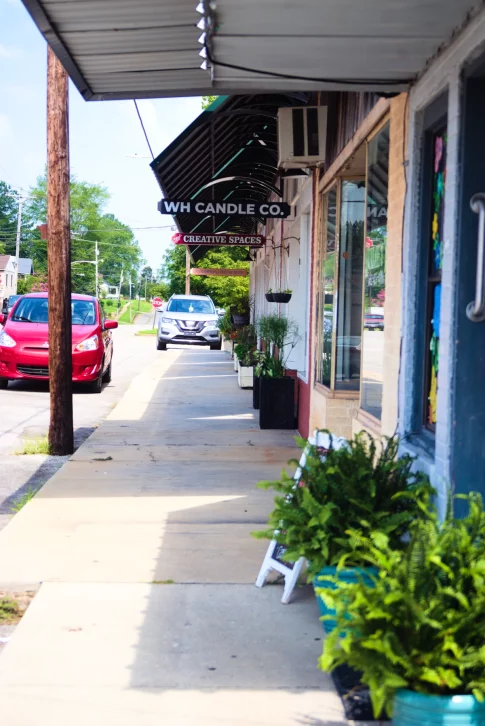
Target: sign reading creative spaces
x=219, y=240
x=243, y=209
x=218, y=272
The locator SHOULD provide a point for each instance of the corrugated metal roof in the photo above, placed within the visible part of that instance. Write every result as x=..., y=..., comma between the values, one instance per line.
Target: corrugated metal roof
x=147, y=48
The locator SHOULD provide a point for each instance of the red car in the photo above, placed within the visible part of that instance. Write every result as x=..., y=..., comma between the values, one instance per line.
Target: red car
x=24, y=341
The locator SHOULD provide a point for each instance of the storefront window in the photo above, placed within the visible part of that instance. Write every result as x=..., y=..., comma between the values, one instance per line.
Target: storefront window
x=328, y=284
x=434, y=275
x=350, y=266
x=375, y=273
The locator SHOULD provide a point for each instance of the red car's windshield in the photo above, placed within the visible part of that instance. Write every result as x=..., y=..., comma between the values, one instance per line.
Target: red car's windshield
x=35, y=310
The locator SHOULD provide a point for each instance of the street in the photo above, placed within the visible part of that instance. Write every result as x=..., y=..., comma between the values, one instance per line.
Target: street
x=24, y=408
x=147, y=610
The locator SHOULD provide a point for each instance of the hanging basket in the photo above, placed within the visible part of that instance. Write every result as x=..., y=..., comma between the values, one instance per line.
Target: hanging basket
x=281, y=297
x=269, y=296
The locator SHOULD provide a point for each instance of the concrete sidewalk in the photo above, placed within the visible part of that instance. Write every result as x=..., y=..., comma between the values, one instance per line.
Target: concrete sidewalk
x=147, y=612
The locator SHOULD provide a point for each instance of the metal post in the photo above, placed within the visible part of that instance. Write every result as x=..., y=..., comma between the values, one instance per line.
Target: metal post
x=187, y=270
x=96, y=252
x=17, y=244
x=119, y=290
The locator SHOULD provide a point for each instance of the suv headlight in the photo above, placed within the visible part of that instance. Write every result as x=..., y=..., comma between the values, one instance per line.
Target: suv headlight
x=168, y=320
x=6, y=341
x=88, y=344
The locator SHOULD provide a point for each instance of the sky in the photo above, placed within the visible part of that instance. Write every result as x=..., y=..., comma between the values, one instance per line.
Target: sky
x=104, y=135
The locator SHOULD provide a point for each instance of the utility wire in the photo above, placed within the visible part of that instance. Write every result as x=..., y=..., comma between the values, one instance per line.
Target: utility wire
x=143, y=127
x=309, y=79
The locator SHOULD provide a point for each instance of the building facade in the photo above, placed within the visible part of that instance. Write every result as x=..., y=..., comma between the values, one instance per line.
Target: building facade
x=442, y=394
x=7, y=276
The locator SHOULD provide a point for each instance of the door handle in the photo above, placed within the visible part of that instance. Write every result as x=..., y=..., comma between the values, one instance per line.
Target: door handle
x=475, y=311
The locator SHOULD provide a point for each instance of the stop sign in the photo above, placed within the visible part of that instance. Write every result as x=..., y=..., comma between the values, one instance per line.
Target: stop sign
x=157, y=302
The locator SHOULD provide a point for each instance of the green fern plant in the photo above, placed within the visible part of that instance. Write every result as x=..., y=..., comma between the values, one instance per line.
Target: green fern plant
x=359, y=486
x=422, y=626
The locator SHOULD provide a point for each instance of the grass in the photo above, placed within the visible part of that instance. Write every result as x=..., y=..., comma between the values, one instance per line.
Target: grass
x=127, y=318
x=152, y=331
x=9, y=611
x=23, y=500
x=34, y=446
x=145, y=306
x=163, y=582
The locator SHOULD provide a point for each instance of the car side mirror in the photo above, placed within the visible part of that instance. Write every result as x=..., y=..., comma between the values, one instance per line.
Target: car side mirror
x=2, y=318
x=110, y=324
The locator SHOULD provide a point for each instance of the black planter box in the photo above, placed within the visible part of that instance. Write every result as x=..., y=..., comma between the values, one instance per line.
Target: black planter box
x=277, y=403
x=281, y=297
x=256, y=388
x=240, y=320
x=269, y=297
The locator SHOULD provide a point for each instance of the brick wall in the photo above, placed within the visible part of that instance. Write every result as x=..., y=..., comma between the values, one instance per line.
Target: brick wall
x=392, y=310
x=329, y=411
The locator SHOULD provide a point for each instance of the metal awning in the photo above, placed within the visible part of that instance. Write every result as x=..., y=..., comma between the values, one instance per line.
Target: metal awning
x=115, y=49
x=230, y=152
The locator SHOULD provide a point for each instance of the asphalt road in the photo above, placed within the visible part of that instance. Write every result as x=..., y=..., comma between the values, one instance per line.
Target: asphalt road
x=24, y=414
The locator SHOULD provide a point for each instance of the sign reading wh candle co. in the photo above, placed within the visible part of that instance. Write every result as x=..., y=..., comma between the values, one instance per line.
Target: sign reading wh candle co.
x=244, y=209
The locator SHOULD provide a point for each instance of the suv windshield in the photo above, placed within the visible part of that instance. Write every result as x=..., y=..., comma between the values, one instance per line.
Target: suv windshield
x=35, y=310
x=189, y=306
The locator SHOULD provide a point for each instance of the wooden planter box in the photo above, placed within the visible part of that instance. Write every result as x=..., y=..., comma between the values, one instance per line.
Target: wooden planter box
x=245, y=376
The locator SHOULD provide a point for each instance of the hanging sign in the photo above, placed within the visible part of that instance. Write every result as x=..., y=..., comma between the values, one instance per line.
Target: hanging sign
x=218, y=272
x=244, y=209
x=219, y=240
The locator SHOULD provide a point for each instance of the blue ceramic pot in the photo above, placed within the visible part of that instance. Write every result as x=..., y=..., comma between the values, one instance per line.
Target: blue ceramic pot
x=347, y=574
x=411, y=708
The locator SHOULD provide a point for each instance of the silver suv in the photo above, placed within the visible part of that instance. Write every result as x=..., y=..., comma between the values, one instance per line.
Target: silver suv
x=189, y=319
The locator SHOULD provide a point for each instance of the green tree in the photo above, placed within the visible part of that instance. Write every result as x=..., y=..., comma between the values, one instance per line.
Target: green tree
x=225, y=291
x=118, y=248
x=207, y=100
x=8, y=218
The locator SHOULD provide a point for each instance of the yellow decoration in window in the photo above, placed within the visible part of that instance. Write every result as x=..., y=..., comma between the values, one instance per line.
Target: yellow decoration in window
x=435, y=225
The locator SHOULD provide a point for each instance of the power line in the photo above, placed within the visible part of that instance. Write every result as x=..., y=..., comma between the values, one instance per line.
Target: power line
x=309, y=79
x=143, y=127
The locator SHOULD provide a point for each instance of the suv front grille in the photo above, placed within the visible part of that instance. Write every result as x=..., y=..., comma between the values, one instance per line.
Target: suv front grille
x=34, y=370
x=190, y=326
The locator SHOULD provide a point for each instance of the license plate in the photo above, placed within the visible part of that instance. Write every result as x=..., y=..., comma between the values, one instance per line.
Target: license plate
x=191, y=335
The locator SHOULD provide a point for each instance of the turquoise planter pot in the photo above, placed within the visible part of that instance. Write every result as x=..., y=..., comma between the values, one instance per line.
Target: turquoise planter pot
x=348, y=574
x=411, y=708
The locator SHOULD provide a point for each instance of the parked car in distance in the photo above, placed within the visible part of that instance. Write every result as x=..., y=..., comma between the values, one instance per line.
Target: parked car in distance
x=221, y=312
x=24, y=341
x=9, y=302
x=189, y=319
x=373, y=321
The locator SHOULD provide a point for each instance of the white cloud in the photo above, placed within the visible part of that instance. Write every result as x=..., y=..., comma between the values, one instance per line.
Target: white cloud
x=10, y=53
x=6, y=130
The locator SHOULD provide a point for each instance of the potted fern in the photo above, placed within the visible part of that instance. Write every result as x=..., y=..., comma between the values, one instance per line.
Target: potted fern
x=363, y=486
x=279, y=336
x=245, y=344
x=417, y=636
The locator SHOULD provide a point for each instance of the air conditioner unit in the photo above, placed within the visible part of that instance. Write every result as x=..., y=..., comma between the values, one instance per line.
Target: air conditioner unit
x=302, y=136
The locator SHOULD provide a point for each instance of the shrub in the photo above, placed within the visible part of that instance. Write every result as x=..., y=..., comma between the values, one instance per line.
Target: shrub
x=422, y=626
x=352, y=487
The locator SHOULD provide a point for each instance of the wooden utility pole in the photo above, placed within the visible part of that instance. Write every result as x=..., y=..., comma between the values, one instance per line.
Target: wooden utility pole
x=187, y=270
x=61, y=437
